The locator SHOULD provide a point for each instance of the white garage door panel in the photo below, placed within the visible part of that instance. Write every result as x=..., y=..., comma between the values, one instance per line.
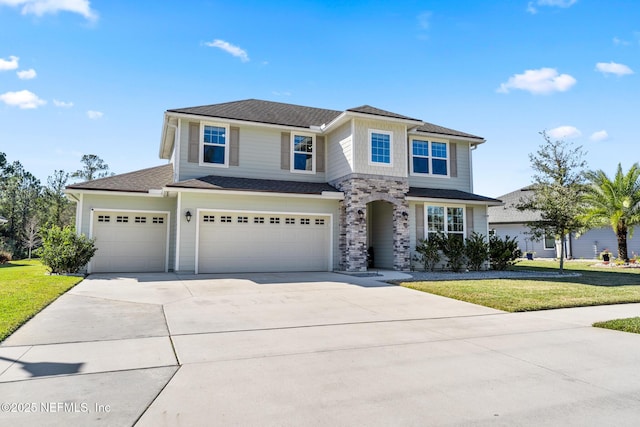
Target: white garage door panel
x=129, y=246
x=234, y=246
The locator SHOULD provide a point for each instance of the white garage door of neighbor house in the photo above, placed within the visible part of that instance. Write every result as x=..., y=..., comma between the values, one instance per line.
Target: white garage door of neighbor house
x=134, y=242
x=233, y=242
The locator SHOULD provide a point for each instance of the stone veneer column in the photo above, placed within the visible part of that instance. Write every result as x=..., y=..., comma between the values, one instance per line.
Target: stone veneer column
x=358, y=191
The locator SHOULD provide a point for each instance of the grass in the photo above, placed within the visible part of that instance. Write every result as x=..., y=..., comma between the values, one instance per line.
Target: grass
x=625, y=325
x=25, y=289
x=595, y=286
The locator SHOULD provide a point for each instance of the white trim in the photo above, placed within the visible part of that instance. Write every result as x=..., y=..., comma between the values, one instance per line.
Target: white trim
x=332, y=195
x=198, y=117
x=201, y=144
x=176, y=148
x=445, y=135
x=544, y=243
x=251, y=211
x=176, y=264
x=455, y=201
x=446, y=222
x=79, y=206
x=115, y=193
x=292, y=153
x=370, y=133
x=168, y=229
x=429, y=157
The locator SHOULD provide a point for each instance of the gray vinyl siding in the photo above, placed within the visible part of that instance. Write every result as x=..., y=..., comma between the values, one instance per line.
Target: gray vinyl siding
x=361, y=153
x=525, y=242
x=193, y=201
x=259, y=156
x=107, y=201
x=339, y=152
x=463, y=179
x=590, y=244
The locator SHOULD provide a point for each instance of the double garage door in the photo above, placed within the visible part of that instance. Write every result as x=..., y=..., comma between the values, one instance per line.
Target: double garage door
x=257, y=242
x=129, y=242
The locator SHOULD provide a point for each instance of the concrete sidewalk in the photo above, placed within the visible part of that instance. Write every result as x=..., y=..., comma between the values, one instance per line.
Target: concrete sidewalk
x=310, y=349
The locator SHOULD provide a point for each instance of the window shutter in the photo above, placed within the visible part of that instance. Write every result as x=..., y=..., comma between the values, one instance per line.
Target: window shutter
x=469, y=221
x=453, y=158
x=194, y=143
x=285, y=147
x=419, y=222
x=319, y=153
x=234, y=146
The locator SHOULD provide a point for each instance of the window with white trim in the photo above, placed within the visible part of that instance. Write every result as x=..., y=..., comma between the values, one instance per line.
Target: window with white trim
x=549, y=242
x=380, y=148
x=429, y=158
x=445, y=220
x=303, y=153
x=214, y=144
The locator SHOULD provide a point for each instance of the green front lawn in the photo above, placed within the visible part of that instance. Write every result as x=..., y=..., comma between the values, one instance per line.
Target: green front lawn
x=595, y=286
x=625, y=325
x=25, y=289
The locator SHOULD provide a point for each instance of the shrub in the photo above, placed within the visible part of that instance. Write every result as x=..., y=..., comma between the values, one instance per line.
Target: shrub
x=63, y=251
x=428, y=252
x=476, y=249
x=452, y=247
x=5, y=257
x=503, y=253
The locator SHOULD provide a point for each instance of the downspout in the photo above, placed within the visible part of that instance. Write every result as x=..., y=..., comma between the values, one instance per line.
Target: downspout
x=472, y=147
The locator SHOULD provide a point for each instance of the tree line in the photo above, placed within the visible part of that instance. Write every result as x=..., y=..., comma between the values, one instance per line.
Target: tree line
x=29, y=207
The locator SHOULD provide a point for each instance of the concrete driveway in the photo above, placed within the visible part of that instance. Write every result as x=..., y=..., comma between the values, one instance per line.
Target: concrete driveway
x=310, y=349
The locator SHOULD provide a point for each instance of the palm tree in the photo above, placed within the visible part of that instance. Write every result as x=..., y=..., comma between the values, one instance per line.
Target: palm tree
x=614, y=203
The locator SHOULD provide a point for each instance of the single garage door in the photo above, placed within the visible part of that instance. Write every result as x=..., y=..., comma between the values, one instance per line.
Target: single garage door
x=129, y=242
x=231, y=242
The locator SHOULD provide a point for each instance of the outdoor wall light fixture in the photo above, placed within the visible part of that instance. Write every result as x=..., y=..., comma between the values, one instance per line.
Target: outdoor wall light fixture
x=360, y=213
x=188, y=216
x=405, y=214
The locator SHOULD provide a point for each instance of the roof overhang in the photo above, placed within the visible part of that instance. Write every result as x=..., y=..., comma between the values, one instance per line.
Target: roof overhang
x=459, y=201
x=168, y=137
x=474, y=141
x=315, y=129
x=327, y=195
x=348, y=115
x=150, y=193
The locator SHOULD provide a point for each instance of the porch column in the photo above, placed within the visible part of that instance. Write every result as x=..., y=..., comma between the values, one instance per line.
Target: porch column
x=401, y=246
x=356, y=237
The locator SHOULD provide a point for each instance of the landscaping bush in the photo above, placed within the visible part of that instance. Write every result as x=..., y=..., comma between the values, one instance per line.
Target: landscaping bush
x=476, y=249
x=452, y=247
x=5, y=257
x=63, y=251
x=503, y=253
x=428, y=252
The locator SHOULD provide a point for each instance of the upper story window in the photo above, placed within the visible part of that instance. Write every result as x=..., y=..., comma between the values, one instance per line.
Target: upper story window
x=429, y=158
x=303, y=153
x=215, y=144
x=380, y=144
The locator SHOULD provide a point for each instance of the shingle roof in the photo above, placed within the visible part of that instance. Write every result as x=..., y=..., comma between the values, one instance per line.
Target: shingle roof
x=431, y=128
x=367, y=109
x=509, y=213
x=214, y=182
x=140, y=181
x=255, y=110
x=441, y=193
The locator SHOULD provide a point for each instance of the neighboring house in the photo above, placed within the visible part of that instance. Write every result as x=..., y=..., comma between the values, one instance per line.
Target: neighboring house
x=3, y=220
x=509, y=220
x=257, y=186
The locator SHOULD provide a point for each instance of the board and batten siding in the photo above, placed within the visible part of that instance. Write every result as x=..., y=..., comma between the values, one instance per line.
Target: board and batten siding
x=193, y=201
x=462, y=168
x=258, y=156
x=131, y=203
x=340, y=152
x=361, y=148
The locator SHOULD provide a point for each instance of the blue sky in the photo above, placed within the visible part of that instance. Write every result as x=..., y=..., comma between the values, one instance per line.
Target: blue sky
x=80, y=76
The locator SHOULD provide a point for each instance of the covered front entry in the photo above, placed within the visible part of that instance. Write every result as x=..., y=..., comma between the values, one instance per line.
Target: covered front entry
x=380, y=235
x=231, y=242
x=129, y=242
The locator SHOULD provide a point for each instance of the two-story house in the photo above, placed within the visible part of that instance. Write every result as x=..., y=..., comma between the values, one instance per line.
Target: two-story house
x=258, y=186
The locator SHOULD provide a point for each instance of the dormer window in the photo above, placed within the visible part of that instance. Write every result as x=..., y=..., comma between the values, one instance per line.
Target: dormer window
x=303, y=153
x=214, y=144
x=429, y=158
x=380, y=143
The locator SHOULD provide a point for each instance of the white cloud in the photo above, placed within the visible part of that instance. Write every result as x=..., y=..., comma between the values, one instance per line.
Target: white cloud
x=229, y=48
x=531, y=6
x=62, y=104
x=564, y=132
x=542, y=81
x=601, y=135
x=613, y=68
x=286, y=93
x=9, y=64
x=424, y=20
x=619, y=42
x=27, y=74
x=42, y=7
x=94, y=115
x=22, y=99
